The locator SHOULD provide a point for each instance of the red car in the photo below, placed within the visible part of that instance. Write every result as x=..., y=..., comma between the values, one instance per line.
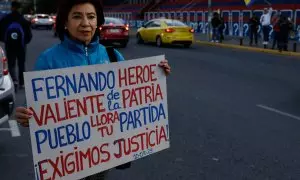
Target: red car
x=114, y=30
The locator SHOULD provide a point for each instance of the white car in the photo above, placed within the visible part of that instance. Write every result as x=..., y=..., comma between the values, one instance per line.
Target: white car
x=7, y=89
x=42, y=20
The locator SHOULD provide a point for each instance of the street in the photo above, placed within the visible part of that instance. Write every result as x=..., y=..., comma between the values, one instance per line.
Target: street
x=233, y=115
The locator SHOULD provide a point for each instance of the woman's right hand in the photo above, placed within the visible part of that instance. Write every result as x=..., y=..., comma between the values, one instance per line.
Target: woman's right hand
x=23, y=115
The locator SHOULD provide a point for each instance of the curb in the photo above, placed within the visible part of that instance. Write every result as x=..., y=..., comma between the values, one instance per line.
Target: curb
x=269, y=51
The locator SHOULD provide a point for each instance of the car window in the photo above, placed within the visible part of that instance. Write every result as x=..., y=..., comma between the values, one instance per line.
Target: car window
x=113, y=21
x=43, y=17
x=156, y=24
x=174, y=23
x=153, y=24
x=148, y=24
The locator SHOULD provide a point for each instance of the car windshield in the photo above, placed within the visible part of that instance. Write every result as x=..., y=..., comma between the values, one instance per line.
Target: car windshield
x=113, y=21
x=174, y=23
x=43, y=17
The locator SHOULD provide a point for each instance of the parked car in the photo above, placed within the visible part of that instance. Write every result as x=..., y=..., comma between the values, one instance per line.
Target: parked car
x=42, y=20
x=114, y=30
x=7, y=89
x=166, y=31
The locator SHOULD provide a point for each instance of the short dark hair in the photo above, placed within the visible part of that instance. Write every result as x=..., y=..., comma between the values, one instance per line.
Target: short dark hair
x=65, y=8
x=15, y=4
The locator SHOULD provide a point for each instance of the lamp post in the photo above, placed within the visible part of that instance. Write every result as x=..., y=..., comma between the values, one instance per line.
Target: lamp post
x=209, y=20
x=34, y=6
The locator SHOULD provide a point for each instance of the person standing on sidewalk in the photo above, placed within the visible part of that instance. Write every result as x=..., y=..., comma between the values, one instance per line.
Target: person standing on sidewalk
x=215, y=23
x=253, y=24
x=221, y=28
x=285, y=27
x=15, y=32
x=265, y=21
x=276, y=30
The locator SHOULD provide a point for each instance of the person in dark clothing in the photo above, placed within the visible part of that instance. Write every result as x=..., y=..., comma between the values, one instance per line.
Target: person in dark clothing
x=253, y=25
x=283, y=37
x=216, y=23
x=221, y=28
x=276, y=31
x=15, y=32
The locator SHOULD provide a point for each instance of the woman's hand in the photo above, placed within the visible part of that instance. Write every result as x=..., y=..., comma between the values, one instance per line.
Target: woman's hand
x=23, y=115
x=164, y=64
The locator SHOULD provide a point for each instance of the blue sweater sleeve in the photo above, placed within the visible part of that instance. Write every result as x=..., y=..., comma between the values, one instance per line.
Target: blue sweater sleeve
x=41, y=63
x=119, y=56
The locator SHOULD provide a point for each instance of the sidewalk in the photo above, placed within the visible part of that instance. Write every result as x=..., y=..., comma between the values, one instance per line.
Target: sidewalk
x=234, y=42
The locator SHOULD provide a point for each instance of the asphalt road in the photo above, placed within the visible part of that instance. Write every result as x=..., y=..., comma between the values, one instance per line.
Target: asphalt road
x=233, y=115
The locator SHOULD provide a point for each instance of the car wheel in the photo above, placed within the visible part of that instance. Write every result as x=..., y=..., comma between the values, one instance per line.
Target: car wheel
x=187, y=45
x=159, y=42
x=139, y=39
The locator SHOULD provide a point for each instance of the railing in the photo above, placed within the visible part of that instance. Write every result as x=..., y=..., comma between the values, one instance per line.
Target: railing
x=120, y=5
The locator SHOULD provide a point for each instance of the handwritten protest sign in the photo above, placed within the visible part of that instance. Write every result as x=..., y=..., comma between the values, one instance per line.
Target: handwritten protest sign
x=92, y=118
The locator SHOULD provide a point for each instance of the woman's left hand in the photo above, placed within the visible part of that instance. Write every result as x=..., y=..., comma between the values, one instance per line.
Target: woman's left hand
x=164, y=64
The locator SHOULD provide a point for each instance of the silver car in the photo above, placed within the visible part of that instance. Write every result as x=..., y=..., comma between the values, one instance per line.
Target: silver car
x=7, y=89
x=42, y=20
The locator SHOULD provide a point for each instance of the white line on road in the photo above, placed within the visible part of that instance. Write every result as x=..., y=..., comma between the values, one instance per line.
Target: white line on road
x=4, y=119
x=4, y=129
x=15, y=155
x=279, y=112
x=15, y=132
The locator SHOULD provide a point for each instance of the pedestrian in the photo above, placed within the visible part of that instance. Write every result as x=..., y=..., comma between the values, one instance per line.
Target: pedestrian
x=78, y=22
x=276, y=30
x=15, y=32
x=216, y=23
x=265, y=21
x=253, y=25
x=285, y=28
x=221, y=28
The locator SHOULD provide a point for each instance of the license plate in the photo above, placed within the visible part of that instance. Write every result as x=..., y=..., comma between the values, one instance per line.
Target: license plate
x=114, y=30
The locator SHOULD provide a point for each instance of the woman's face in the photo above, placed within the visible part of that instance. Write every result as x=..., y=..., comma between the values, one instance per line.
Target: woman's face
x=82, y=22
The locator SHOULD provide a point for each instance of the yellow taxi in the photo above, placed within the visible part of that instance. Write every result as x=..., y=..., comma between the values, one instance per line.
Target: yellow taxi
x=166, y=31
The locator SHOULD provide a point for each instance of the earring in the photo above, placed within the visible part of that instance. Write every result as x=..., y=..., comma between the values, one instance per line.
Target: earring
x=66, y=27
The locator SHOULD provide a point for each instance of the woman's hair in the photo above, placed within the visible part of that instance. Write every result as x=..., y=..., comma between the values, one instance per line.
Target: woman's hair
x=65, y=8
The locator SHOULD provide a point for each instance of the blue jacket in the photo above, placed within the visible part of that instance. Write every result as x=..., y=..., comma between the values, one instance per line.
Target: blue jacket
x=70, y=53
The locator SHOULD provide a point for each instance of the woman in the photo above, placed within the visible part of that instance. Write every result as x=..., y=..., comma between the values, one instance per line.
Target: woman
x=77, y=25
x=215, y=23
x=276, y=30
x=285, y=28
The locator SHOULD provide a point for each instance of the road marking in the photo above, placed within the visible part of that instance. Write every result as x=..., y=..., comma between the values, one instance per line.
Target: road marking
x=14, y=128
x=15, y=131
x=279, y=112
x=15, y=155
x=4, y=129
x=4, y=119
